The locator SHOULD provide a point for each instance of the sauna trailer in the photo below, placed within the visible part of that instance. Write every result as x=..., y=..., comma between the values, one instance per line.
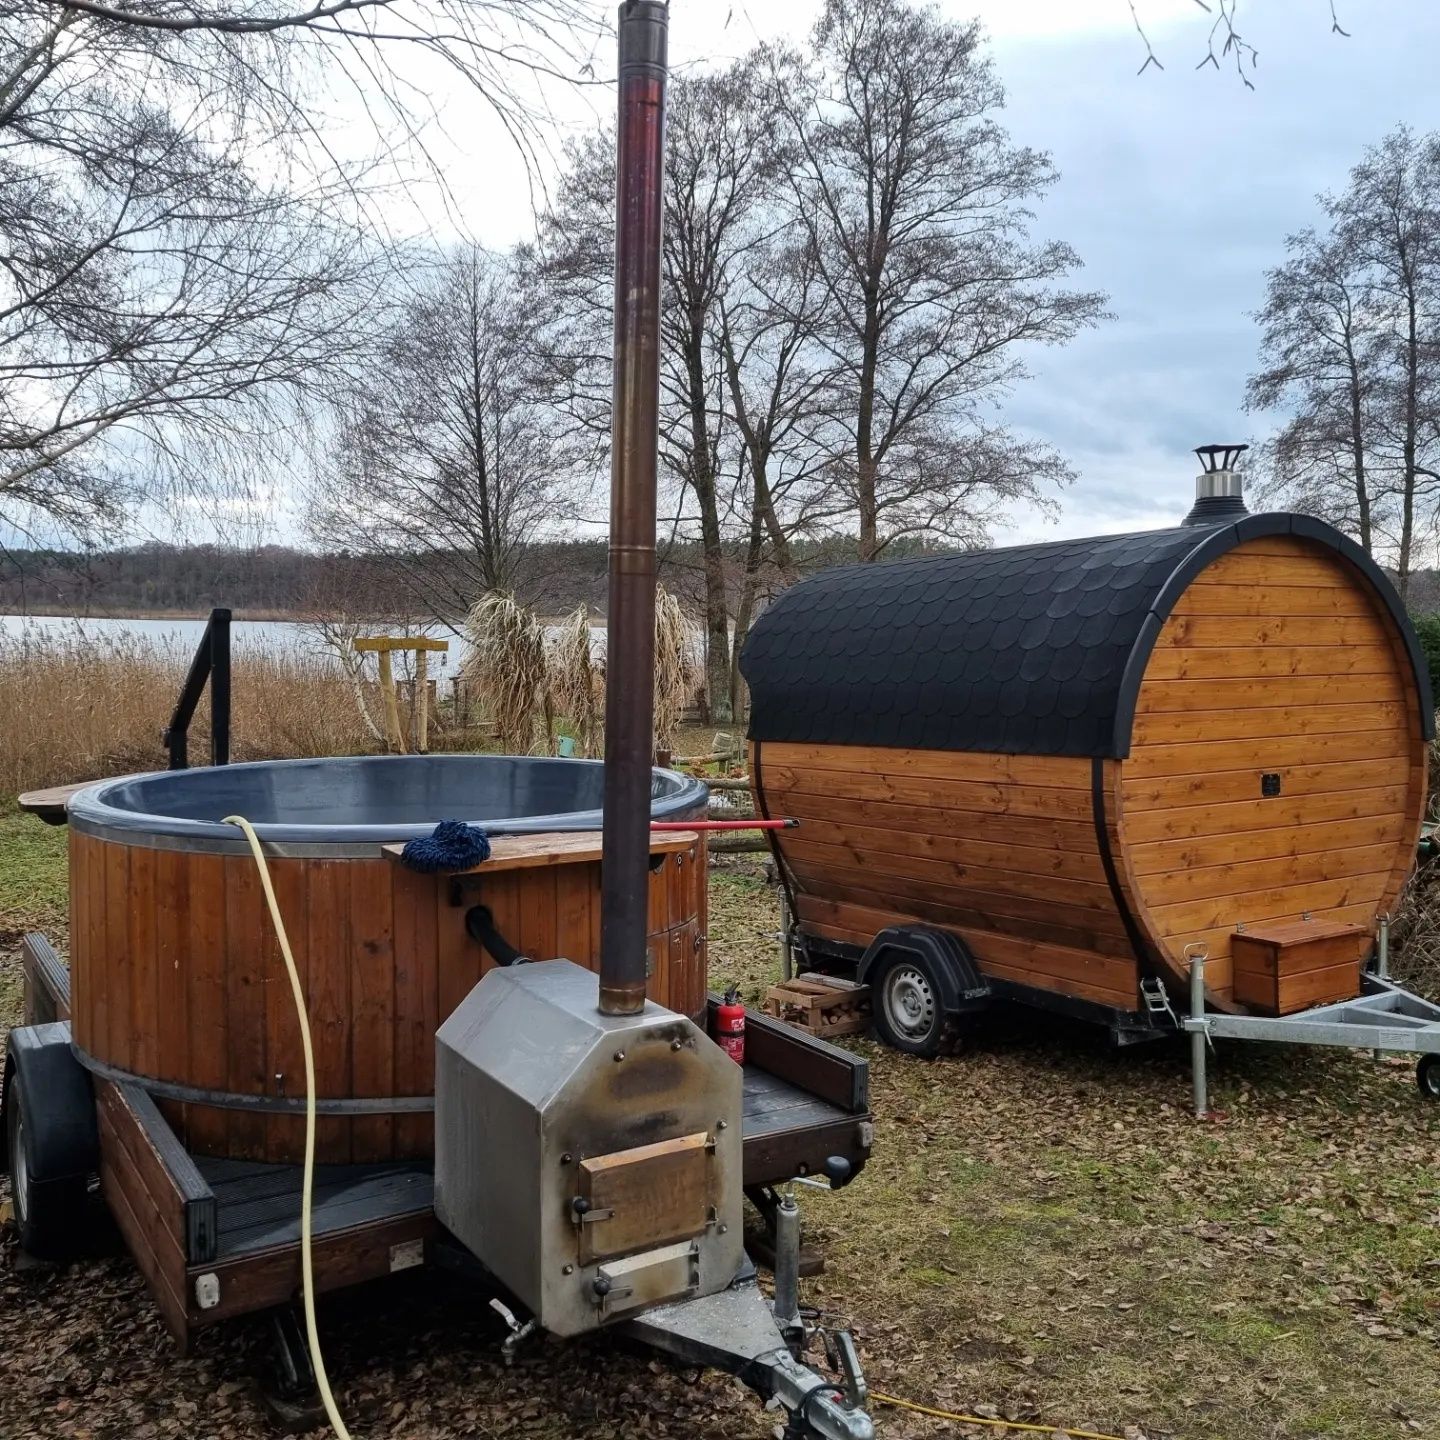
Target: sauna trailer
x=1060, y=772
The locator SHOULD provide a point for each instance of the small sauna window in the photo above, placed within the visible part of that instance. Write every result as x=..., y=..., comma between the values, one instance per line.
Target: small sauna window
x=1270, y=784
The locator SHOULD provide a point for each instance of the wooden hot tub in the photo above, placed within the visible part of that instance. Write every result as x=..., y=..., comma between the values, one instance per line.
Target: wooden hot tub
x=175, y=972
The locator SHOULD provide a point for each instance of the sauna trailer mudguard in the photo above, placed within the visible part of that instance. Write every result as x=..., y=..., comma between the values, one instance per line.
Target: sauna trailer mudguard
x=1061, y=772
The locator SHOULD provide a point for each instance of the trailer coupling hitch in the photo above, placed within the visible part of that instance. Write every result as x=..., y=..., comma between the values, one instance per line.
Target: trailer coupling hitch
x=735, y=1330
x=815, y=1408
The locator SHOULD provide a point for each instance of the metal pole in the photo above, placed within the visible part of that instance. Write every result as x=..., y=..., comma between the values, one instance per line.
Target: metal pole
x=1198, y=1037
x=1382, y=965
x=219, y=687
x=630, y=618
x=787, y=959
x=787, y=1265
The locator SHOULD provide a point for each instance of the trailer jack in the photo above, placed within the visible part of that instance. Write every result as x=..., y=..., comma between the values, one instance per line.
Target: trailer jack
x=738, y=1331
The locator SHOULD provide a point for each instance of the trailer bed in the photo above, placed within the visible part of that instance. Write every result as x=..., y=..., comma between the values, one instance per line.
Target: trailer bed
x=257, y=1204
x=216, y=1238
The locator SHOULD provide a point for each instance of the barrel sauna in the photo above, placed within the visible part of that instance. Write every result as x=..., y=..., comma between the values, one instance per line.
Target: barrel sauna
x=176, y=975
x=1083, y=757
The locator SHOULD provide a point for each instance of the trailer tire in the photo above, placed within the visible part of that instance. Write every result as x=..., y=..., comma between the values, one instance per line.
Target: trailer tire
x=926, y=990
x=49, y=1214
x=1427, y=1076
x=909, y=1008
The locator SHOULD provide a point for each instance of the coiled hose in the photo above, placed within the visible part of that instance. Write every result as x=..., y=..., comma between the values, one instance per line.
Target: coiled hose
x=312, y=1336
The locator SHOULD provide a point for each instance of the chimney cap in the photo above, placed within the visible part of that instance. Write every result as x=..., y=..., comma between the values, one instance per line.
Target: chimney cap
x=1219, y=457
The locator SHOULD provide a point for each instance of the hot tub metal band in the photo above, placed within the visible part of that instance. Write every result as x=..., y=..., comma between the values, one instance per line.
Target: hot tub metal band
x=266, y=1104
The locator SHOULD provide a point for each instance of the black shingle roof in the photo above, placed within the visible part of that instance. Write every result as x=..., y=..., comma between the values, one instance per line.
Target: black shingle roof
x=1028, y=650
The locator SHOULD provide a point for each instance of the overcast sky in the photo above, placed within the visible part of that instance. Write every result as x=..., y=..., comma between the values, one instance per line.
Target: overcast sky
x=1177, y=190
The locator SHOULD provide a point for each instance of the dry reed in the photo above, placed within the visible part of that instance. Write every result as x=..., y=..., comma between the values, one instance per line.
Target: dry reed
x=506, y=664
x=78, y=707
x=677, y=670
x=577, y=681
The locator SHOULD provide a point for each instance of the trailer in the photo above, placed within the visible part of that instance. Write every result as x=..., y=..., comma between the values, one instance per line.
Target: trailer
x=328, y=1020
x=204, y=1186
x=1053, y=773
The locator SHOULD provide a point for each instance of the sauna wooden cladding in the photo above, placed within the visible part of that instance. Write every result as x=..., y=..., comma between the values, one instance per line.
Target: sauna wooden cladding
x=1001, y=849
x=176, y=975
x=1278, y=660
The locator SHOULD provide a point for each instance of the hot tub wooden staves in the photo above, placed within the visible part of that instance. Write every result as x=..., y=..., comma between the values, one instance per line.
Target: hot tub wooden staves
x=176, y=975
x=1084, y=757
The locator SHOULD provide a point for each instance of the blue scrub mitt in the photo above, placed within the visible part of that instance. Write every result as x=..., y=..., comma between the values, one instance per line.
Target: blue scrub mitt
x=454, y=846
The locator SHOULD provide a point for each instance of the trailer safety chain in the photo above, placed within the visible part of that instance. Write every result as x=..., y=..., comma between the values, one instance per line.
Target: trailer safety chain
x=1068, y=1430
x=307, y=1187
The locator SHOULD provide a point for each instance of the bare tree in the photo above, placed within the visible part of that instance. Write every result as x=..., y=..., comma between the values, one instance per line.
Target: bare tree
x=187, y=263
x=446, y=461
x=1390, y=217
x=915, y=203
x=1315, y=359
x=776, y=376
x=1350, y=346
x=718, y=146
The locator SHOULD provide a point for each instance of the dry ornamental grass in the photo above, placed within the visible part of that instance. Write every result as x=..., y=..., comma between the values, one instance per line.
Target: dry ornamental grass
x=80, y=708
x=506, y=665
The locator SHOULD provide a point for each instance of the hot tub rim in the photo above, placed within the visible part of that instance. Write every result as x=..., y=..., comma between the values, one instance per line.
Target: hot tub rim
x=89, y=812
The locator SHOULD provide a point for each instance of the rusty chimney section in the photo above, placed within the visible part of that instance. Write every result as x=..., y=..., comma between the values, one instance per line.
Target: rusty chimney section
x=634, y=444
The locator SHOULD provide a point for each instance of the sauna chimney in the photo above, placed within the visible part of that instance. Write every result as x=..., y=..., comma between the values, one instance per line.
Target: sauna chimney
x=1219, y=488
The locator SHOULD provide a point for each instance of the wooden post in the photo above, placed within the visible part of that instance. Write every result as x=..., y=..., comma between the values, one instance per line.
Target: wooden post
x=384, y=645
x=393, y=733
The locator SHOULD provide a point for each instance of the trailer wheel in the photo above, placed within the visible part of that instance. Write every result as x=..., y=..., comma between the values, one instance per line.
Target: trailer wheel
x=1427, y=1076
x=909, y=1013
x=49, y=1214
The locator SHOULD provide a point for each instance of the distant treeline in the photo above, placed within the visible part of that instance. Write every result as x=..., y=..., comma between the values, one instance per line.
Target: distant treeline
x=552, y=577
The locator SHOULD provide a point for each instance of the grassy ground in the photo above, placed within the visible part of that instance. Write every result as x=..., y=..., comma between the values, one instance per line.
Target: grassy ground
x=1043, y=1234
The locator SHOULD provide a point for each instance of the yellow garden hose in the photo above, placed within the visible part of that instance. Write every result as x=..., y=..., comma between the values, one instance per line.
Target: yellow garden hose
x=312, y=1336
x=1067, y=1430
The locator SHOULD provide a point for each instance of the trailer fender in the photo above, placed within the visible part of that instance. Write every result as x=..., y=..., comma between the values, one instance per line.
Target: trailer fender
x=964, y=989
x=63, y=1140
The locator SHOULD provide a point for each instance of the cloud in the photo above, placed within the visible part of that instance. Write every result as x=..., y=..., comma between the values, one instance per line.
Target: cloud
x=1178, y=191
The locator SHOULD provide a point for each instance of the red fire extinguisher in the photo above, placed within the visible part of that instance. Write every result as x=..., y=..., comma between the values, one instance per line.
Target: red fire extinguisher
x=730, y=1026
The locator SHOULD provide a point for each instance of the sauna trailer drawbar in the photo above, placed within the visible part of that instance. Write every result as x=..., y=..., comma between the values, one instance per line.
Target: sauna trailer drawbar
x=1073, y=762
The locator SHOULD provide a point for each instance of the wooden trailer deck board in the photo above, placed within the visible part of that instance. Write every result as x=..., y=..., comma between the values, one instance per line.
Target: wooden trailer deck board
x=258, y=1204
x=49, y=805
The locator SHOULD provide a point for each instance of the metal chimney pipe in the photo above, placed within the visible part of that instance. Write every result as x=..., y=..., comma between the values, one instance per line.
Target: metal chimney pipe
x=1219, y=487
x=634, y=445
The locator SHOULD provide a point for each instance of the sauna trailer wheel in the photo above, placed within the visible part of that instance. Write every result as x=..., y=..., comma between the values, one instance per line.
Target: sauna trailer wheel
x=909, y=1013
x=1427, y=1076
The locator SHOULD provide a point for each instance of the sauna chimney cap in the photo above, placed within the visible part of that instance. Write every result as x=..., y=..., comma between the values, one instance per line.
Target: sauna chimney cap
x=1219, y=488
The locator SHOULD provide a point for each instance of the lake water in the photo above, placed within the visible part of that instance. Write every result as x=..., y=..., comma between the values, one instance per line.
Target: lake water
x=267, y=635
